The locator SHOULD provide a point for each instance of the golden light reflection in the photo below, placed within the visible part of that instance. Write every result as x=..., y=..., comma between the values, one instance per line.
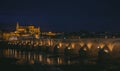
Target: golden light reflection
x=66, y=44
x=29, y=56
x=89, y=45
x=49, y=42
x=110, y=46
x=40, y=58
x=73, y=45
x=82, y=44
x=59, y=60
x=60, y=44
x=85, y=49
x=15, y=54
x=101, y=45
x=48, y=61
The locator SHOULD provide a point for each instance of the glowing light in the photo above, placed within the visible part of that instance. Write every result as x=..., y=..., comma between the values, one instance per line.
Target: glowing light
x=60, y=44
x=110, y=46
x=102, y=45
x=81, y=44
x=40, y=58
x=89, y=45
x=59, y=60
x=66, y=44
x=58, y=47
x=73, y=45
x=49, y=42
x=98, y=47
x=49, y=32
x=48, y=61
x=106, y=51
x=69, y=48
x=85, y=49
x=13, y=38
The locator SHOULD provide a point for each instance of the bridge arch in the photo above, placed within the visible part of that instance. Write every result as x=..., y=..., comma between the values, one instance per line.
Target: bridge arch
x=104, y=53
x=84, y=51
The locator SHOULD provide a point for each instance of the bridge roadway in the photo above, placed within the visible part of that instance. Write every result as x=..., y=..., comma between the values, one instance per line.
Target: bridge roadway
x=111, y=46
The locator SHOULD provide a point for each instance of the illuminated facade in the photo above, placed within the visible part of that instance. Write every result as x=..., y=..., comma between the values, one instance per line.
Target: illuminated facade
x=27, y=29
x=23, y=32
x=50, y=33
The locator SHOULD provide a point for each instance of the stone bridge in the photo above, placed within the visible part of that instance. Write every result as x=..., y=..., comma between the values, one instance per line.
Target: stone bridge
x=111, y=46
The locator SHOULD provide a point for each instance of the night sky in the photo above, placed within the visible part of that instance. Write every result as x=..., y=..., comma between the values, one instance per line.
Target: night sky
x=62, y=15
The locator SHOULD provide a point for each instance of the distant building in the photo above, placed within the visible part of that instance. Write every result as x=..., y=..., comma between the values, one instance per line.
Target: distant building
x=50, y=33
x=23, y=32
x=27, y=29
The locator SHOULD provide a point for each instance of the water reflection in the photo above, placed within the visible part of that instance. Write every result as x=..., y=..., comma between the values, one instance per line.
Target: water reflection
x=27, y=57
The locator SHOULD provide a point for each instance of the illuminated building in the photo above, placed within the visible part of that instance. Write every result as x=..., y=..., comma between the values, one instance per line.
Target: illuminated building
x=50, y=33
x=27, y=29
x=23, y=32
x=27, y=32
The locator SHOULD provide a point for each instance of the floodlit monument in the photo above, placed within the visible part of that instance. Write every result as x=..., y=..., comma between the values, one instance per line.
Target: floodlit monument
x=23, y=32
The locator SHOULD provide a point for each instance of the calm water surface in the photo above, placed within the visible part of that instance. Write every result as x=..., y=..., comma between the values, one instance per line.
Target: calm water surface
x=31, y=57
